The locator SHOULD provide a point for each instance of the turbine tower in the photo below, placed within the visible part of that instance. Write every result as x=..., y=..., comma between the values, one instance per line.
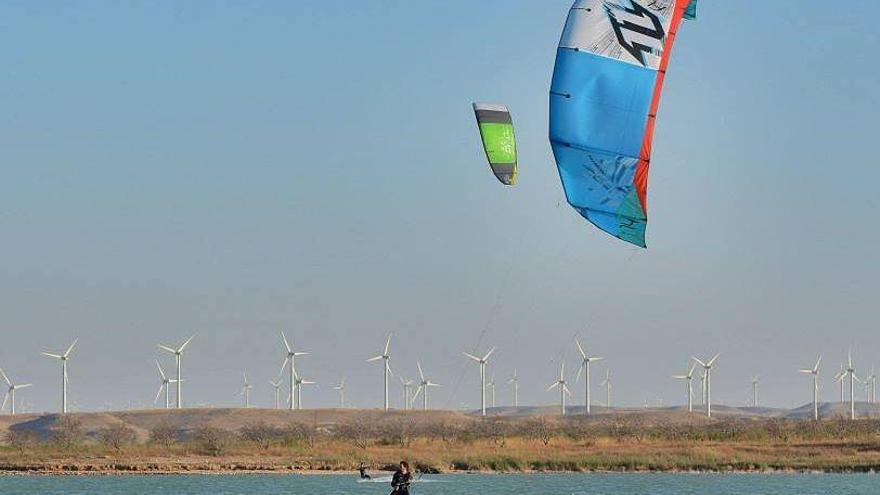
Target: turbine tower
x=341, y=389
x=562, y=386
x=755, y=391
x=407, y=385
x=870, y=382
x=815, y=372
x=276, y=384
x=491, y=385
x=707, y=369
x=424, y=384
x=482, y=362
x=840, y=378
x=246, y=391
x=386, y=369
x=515, y=381
x=585, y=367
x=10, y=393
x=607, y=384
x=291, y=356
x=299, y=389
x=166, y=385
x=689, y=378
x=178, y=353
x=851, y=371
x=63, y=357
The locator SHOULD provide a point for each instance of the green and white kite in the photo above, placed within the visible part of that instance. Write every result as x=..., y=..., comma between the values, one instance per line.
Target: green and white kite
x=496, y=130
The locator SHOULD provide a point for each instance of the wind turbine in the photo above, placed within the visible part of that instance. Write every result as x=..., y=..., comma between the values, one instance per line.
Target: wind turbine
x=341, y=389
x=386, y=370
x=178, y=354
x=246, y=391
x=607, y=384
x=292, y=353
x=423, y=387
x=63, y=357
x=482, y=362
x=815, y=372
x=299, y=389
x=689, y=377
x=407, y=384
x=585, y=367
x=10, y=393
x=563, y=387
x=165, y=385
x=851, y=371
x=707, y=368
x=755, y=391
x=276, y=384
x=515, y=381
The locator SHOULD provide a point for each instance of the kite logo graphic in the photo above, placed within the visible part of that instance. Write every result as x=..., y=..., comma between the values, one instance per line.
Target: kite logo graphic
x=639, y=31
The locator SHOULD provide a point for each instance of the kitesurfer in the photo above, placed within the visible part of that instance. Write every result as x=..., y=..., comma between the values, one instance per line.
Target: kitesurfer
x=363, y=470
x=401, y=480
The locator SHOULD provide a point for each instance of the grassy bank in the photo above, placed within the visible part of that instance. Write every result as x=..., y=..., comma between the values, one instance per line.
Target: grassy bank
x=447, y=444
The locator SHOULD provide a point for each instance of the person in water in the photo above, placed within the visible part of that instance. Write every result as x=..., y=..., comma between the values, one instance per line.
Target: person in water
x=363, y=471
x=401, y=480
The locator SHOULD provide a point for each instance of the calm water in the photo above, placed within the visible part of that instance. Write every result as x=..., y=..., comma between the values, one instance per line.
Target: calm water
x=586, y=484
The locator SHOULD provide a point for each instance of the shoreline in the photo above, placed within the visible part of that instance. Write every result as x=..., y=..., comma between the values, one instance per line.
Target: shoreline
x=105, y=470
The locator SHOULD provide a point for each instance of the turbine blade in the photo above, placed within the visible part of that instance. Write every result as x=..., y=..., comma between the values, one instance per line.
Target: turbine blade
x=580, y=349
x=698, y=361
x=806, y=371
x=565, y=388
x=26, y=385
x=6, y=378
x=158, y=393
x=166, y=348
x=691, y=372
x=712, y=361
x=818, y=362
x=301, y=353
x=186, y=343
x=421, y=374
x=475, y=358
x=486, y=357
x=374, y=359
x=283, y=365
x=161, y=372
x=552, y=386
x=387, y=344
x=5, y=399
x=286, y=344
x=56, y=356
x=70, y=349
x=418, y=391
x=594, y=359
x=580, y=370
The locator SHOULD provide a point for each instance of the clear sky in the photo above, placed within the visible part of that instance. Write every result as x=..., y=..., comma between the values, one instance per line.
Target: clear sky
x=233, y=168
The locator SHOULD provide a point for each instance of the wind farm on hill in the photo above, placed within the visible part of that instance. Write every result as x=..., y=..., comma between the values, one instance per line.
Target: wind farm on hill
x=575, y=433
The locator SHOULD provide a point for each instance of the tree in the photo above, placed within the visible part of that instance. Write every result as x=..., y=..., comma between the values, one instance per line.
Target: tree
x=261, y=434
x=21, y=439
x=118, y=436
x=163, y=434
x=212, y=441
x=67, y=432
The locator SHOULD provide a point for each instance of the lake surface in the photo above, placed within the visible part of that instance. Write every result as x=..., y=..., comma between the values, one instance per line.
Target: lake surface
x=517, y=484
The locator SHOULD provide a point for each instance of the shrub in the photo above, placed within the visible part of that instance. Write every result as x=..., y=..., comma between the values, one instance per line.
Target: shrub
x=118, y=436
x=163, y=434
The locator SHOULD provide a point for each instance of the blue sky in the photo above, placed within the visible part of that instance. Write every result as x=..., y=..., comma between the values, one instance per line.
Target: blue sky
x=234, y=168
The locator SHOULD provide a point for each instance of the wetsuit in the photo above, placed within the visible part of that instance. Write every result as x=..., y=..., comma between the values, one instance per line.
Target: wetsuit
x=364, y=475
x=400, y=483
